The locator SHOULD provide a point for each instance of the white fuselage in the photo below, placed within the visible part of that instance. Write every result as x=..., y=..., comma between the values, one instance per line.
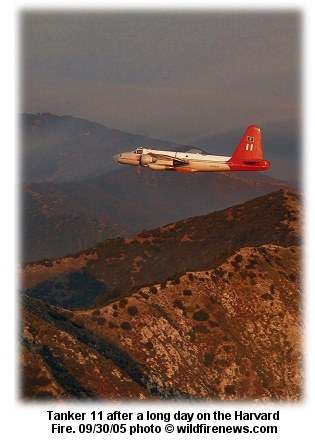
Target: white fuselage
x=163, y=160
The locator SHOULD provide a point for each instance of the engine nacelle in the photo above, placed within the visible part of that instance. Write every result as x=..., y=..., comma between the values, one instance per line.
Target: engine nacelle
x=156, y=167
x=146, y=159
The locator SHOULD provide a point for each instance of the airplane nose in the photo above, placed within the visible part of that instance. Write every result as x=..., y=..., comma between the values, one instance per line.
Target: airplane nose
x=126, y=158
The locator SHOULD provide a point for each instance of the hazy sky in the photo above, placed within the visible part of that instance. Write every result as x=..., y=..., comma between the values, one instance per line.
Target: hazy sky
x=173, y=75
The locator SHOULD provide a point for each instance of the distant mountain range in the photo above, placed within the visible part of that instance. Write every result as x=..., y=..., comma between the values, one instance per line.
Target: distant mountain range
x=207, y=308
x=74, y=194
x=63, y=148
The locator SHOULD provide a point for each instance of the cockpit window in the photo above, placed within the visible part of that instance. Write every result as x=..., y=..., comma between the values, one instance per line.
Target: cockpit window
x=138, y=150
x=197, y=151
x=194, y=151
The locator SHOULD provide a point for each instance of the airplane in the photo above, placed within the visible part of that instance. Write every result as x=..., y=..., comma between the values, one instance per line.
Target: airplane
x=248, y=156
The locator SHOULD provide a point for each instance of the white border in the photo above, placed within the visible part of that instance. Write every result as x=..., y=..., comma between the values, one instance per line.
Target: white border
x=30, y=421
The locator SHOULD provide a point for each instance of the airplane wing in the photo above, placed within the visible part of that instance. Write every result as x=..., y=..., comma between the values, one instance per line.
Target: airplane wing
x=165, y=157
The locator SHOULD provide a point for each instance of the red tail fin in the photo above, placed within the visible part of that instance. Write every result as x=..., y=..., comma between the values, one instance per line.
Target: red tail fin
x=248, y=154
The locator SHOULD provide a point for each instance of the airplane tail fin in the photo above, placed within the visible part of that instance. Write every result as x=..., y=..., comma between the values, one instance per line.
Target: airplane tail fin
x=248, y=155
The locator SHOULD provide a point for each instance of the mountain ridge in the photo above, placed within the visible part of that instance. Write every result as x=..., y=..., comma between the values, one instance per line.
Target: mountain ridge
x=196, y=243
x=229, y=333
